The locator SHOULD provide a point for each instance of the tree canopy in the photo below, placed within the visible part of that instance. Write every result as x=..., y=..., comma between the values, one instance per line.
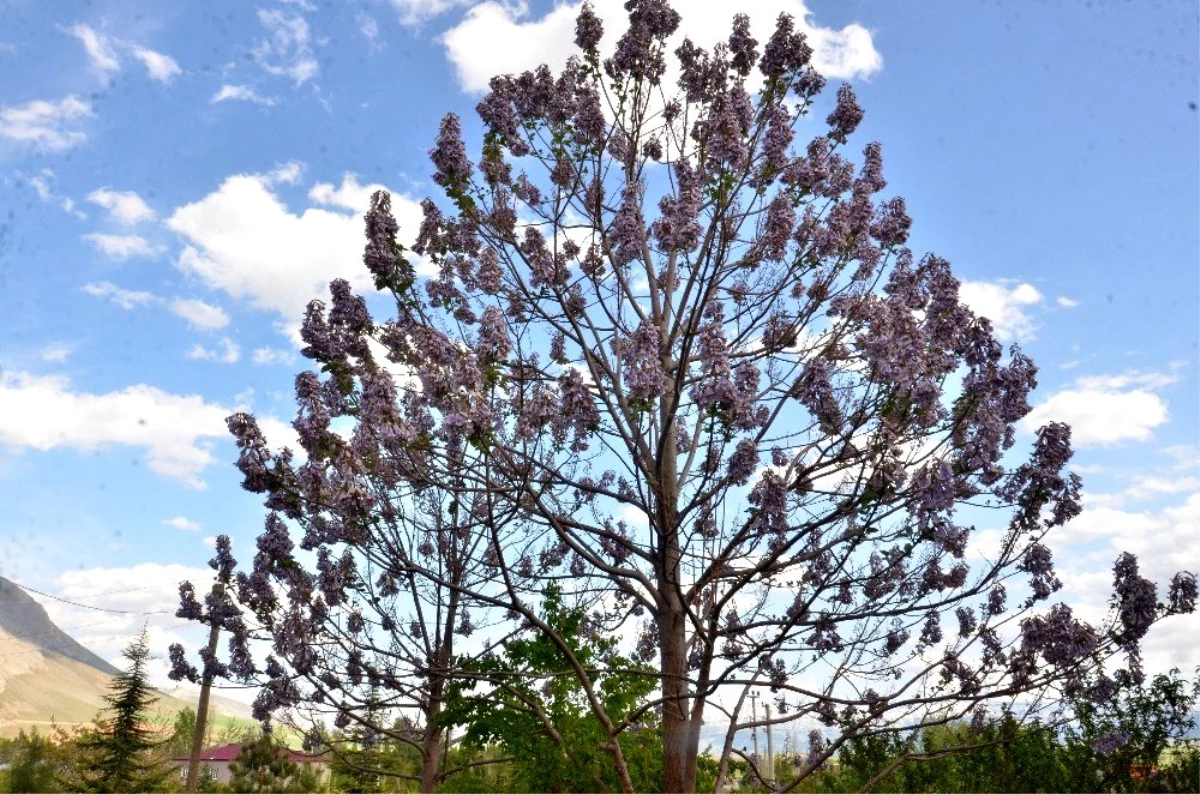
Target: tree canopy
x=685, y=369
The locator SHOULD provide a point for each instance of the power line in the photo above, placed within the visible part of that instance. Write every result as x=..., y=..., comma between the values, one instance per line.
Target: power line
x=90, y=606
x=128, y=590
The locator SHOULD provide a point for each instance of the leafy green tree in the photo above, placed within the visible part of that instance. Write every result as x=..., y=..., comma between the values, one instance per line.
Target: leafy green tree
x=1120, y=745
x=122, y=753
x=183, y=729
x=264, y=765
x=535, y=710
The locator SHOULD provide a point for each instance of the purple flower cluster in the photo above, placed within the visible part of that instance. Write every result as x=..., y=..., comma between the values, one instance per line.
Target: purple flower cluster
x=639, y=52
x=449, y=156
x=786, y=51
x=382, y=255
x=1181, y=595
x=1137, y=598
x=845, y=118
x=677, y=227
x=644, y=376
x=588, y=29
x=1110, y=742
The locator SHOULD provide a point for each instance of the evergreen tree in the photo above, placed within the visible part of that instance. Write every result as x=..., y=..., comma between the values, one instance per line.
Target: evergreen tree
x=264, y=765
x=32, y=764
x=119, y=754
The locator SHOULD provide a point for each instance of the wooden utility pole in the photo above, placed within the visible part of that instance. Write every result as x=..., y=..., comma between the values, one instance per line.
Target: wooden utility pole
x=770, y=749
x=754, y=732
x=193, y=775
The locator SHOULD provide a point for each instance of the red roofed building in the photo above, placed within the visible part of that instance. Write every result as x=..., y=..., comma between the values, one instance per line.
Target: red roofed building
x=218, y=759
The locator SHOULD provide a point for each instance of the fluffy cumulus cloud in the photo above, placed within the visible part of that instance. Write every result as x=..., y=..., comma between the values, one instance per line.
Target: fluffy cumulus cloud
x=176, y=431
x=123, y=206
x=1006, y=305
x=120, y=247
x=242, y=93
x=242, y=239
x=199, y=314
x=1107, y=409
x=44, y=124
x=530, y=40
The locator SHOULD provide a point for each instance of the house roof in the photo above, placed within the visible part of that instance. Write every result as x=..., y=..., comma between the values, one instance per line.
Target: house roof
x=228, y=752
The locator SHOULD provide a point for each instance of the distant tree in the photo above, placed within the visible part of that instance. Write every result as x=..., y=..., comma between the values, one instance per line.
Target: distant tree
x=33, y=763
x=182, y=731
x=264, y=765
x=121, y=753
x=693, y=374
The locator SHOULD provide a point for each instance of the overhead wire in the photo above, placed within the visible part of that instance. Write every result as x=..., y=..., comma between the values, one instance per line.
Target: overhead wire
x=91, y=606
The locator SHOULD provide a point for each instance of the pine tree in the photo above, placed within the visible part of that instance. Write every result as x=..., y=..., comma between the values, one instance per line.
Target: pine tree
x=265, y=765
x=119, y=753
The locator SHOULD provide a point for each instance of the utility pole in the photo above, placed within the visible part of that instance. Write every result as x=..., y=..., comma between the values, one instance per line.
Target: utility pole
x=770, y=749
x=754, y=730
x=193, y=775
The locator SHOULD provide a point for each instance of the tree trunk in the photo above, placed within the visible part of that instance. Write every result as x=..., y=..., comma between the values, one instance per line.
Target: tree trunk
x=679, y=745
x=431, y=753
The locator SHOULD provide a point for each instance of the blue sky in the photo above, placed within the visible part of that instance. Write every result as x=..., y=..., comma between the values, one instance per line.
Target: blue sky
x=178, y=179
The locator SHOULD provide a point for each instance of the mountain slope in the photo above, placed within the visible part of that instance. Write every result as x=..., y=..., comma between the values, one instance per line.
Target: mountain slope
x=23, y=618
x=45, y=675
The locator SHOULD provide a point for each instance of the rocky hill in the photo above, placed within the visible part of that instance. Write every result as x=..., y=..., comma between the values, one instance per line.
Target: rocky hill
x=24, y=619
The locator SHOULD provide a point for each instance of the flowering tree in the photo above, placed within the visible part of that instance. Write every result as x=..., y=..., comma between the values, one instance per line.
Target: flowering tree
x=690, y=373
x=357, y=639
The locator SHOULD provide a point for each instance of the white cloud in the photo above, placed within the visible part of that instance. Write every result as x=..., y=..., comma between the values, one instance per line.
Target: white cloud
x=529, y=42
x=123, y=246
x=1006, y=307
x=229, y=353
x=1144, y=487
x=41, y=185
x=243, y=240
x=98, y=47
x=413, y=12
x=349, y=195
x=44, y=412
x=287, y=51
x=160, y=67
x=124, y=206
x=271, y=355
x=370, y=30
x=242, y=93
x=1066, y=303
x=148, y=590
x=125, y=298
x=200, y=314
x=1106, y=409
x=43, y=123
x=56, y=354
x=287, y=174
x=210, y=541
x=183, y=524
